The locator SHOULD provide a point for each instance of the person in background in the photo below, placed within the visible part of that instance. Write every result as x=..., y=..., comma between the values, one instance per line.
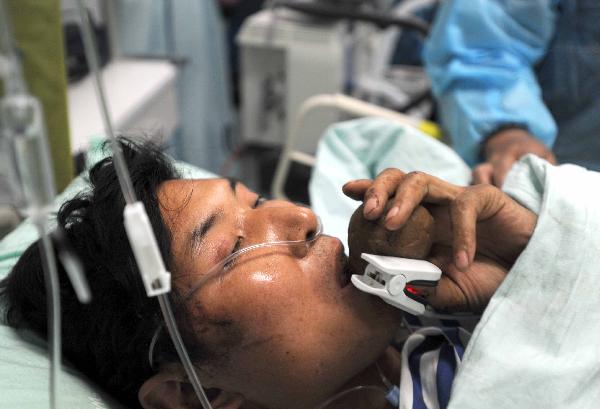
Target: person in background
x=518, y=77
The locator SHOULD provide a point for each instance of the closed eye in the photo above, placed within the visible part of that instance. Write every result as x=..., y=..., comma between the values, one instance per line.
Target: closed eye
x=231, y=259
x=238, y=244
x=259, y=201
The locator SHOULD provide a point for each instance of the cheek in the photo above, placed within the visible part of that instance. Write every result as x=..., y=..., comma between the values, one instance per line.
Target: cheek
x=299, y=335
x=253, y=293
x=261, y=293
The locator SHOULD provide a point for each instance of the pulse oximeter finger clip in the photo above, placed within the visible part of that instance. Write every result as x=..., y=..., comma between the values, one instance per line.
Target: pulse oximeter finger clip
x=390, y=278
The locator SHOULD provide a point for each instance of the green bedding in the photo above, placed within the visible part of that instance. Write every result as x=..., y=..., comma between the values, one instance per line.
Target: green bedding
x=23, y=359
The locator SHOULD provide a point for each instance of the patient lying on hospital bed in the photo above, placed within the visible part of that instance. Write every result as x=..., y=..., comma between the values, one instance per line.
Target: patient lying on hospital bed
x=281, y=330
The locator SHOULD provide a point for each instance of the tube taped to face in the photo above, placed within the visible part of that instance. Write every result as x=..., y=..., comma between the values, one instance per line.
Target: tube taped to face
x=226, y=265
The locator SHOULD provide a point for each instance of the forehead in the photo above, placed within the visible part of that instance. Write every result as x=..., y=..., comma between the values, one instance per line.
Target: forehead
x=182, y=201
x=174, y=193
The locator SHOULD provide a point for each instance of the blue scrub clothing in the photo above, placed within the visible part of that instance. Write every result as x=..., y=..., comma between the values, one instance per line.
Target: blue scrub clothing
x=531, y=63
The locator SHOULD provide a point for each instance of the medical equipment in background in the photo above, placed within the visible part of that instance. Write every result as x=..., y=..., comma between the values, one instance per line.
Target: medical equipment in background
x=157, y=280
x=283, y=62
x=400, y=86
x=31, y=187
x=295, y=50
x=141, y=89
x=354, y=10
x=392, y=278
x=292, y=151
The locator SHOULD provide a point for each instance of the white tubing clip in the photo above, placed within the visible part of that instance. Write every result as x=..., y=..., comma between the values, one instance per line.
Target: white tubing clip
x=390, y=279
x=157, y=280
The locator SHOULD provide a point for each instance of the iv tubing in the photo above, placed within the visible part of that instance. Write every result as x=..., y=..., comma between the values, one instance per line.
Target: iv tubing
x=338, y=395
x=53, y=306
x=91, y=55
x=165, y=306
x=130, y=199
x=14, y=83
x=347, y=391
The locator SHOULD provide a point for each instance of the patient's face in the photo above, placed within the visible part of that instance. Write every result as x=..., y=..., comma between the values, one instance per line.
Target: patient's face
x=297, y=330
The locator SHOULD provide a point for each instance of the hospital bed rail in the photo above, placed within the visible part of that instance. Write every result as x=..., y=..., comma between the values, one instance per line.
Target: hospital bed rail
x=342, y=103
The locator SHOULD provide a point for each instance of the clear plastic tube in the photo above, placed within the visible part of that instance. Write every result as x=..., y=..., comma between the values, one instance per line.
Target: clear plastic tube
x=220, y=266
x=385, y=391
x=53, y=306
x=91, y=54
x=165, y=306
x=350, y=390
x=130, y=198
x=14, y=82
x=23, y=134
x=216, y=269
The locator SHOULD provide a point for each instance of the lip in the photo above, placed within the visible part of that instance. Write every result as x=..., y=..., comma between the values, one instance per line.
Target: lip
x=346, y=273
x=342, y=267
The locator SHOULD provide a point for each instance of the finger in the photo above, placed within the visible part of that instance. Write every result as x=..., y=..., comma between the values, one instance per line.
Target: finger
x=477, y=203
x=550, y=158
x=409, y=194
x=377, y=195
x=417, y=187
x=501, y=166
x=463, y=217
x=355, y=189
x=446, y=295
x=482, y=174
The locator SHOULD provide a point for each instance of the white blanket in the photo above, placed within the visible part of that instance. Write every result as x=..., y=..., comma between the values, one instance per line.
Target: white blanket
x=537, y=344
x=362, y=148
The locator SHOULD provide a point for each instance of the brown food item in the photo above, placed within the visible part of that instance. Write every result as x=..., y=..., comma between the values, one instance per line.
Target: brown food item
x=413, y=240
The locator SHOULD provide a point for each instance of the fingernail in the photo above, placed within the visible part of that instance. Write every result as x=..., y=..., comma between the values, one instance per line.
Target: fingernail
x=371, y=205
x=461, y=260
x=393, y=212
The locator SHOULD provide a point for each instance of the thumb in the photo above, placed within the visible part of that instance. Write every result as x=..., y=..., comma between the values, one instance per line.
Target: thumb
x=446, y=295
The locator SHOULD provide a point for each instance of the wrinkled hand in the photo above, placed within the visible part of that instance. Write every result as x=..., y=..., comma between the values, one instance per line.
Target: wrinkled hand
x=502, y=150
x=479, y=231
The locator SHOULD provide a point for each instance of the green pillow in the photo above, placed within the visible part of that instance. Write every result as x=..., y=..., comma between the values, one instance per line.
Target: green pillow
x=24, y=363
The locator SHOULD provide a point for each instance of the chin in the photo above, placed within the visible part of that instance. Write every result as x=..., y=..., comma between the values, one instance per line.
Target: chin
x=380, y=311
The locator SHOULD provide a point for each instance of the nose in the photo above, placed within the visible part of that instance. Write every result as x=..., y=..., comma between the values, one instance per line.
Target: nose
x=289, y=221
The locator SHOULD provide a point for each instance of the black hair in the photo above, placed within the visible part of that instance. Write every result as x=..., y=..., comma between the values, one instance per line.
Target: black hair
x=107, y=339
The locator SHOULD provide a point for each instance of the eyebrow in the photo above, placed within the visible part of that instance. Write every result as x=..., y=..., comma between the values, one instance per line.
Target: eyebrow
x=199, y=232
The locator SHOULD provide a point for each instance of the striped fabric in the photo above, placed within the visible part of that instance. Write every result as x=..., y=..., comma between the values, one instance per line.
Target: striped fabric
x=430, y=358
x=466, y=321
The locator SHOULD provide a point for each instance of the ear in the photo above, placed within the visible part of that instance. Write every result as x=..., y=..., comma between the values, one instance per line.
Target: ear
x=170, y=390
